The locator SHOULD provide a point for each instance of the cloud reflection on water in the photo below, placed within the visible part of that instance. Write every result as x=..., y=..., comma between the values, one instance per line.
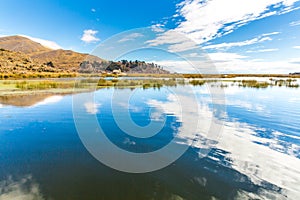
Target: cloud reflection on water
x=92, y=108
x=246, y=154
x=23, y=189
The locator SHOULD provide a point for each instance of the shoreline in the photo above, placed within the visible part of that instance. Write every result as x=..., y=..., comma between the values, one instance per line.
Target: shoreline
x=84, y=84
x=37, y=76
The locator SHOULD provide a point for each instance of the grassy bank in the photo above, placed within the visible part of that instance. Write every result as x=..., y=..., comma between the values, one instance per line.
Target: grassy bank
x=59, y=86
x=37, y=75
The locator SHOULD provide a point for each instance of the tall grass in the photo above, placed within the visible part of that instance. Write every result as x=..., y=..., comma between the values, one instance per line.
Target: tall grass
x=43, y=85
x=143, y=83
x=37, y=75
x=253, y=84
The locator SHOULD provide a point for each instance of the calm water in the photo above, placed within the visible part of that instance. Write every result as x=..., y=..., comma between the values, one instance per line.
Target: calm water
x=255, y=156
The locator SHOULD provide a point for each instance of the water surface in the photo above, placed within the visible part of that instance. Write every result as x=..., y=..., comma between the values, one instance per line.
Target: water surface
x=256, y=154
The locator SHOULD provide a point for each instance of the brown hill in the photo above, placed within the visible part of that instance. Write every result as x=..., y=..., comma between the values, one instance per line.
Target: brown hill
x=19, y=63
x=26, y=56
x=64, y=59
x=57, y=60
x=21, y=44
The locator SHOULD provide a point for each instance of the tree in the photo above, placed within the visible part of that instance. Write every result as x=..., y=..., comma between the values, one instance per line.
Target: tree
x=50, y=64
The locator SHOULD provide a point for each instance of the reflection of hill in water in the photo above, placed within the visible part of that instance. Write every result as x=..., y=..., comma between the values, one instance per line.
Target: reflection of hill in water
x=24, y=100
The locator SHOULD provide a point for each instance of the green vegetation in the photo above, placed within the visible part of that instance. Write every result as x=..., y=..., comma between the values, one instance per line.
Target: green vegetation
x=123, y=65
x=197, y=82
x=253, y=84
x=264, y=84
x=288, y=82
x=40, y=75
x=144, y=83
x=43, y=85
x=90, y=83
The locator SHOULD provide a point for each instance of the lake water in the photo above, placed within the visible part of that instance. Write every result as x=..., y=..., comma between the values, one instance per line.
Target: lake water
x=254, y=153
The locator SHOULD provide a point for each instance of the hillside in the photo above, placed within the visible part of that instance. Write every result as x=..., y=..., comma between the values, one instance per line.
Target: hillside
x=21, y=44
x=19, y=63
x=66, y=60
x=137, y=67
x=125, y=66
x=20, y=55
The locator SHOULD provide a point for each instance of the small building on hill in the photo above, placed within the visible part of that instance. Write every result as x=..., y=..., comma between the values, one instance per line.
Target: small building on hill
x=117, y=71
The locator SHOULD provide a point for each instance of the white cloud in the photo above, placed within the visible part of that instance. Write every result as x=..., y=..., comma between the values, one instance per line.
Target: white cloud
x=206, y=20
x=248, y=66
x=295, y=23
x=176, y=66
x=203, y=65
x=231, y=63
x=131, y=37
x=272, y=33
x=295, y=61
x=46, y=43
x=89, y=36
x=262, y=50
x=225, y=57
x=296, y=47
x=91, y=108
x=178, y=42
x=158, y=28
x=184, y=46
x=238, y=44
x=169, y=37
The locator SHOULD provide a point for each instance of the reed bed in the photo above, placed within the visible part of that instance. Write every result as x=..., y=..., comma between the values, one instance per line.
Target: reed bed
x=90, y=83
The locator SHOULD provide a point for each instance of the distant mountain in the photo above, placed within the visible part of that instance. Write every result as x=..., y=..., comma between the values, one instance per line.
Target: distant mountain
x=20, y=54
x=21, y=44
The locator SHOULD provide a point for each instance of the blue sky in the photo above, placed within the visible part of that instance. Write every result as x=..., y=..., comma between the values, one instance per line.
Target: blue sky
x=251, y=36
